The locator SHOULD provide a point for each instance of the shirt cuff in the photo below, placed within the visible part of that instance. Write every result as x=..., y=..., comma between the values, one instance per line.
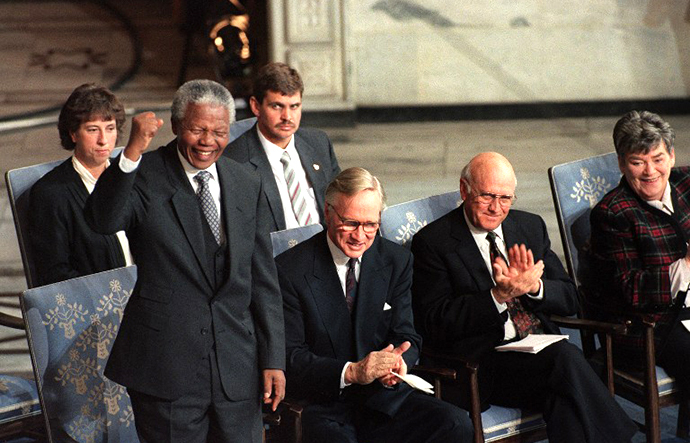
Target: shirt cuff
x=679, y=273
x=127, y=165
x=344, y=385
x=500, y=306
x=540, y=293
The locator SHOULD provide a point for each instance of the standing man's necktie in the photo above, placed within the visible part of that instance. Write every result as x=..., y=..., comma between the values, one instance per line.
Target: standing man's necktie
x=299, y=204
x=208, y=206
x=351, y=284
x=525, y=321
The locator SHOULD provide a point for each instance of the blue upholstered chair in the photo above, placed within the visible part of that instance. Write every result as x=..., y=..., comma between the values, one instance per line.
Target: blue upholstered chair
x=287, y=238
x=399, y=223
x=71, y=326
x=576, y=188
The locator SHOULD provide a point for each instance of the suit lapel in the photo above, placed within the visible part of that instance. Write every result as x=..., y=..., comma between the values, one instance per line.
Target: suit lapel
x=468, y=251
x=76, y=185
x=186, y=207
x=330, y=300
x=258, y=158
x=312, y=169
x=371, y=298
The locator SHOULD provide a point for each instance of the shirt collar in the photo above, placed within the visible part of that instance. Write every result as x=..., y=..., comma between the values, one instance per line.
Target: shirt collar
x=665, y=204
x=480, y=234
x=85, y=174
x=339, y=257
x=275, y=152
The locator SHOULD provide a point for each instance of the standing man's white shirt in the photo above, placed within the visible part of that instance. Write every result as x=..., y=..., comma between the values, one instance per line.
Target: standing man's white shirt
x=274, y=153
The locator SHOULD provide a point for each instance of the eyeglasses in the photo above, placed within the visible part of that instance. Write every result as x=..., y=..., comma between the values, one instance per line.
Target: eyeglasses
x=353, y=225
x=198, y=132
x=486, y=198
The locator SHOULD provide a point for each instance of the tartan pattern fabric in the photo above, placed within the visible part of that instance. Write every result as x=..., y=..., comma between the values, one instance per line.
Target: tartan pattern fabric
x=299, y=204
x=525, y=321
x=351, y=284
x=634, y=244
x=208, y=206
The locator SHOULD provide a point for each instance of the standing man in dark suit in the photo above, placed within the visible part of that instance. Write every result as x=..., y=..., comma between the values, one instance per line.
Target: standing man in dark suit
x=485, y=275
x=202, y=334
x=295, y=164
x=348, y=325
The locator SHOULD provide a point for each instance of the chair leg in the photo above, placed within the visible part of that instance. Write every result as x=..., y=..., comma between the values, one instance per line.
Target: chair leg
x=651, y=410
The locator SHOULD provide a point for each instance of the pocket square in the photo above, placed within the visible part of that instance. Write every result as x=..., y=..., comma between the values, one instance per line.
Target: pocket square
x=386, y=306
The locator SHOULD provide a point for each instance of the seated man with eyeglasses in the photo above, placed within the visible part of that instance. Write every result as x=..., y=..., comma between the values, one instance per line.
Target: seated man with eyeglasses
x=485, y=275
x=348, y=325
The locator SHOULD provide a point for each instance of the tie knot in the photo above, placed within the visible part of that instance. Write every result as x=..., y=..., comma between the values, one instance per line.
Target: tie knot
x=285, y=158
x=351, y=264
x=491, y=236
x=203, y=177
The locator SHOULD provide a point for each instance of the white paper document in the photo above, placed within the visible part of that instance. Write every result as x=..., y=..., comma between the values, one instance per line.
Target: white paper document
x=416, y=382
x=686, y=323
x=533, y=343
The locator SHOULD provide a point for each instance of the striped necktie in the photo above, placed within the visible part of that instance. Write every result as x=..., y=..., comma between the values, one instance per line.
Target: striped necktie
x=299, y=204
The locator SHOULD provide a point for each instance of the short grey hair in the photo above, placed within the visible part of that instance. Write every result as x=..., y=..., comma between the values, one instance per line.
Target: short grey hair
x=639, y=132
x=352, y=181
x=201, y=92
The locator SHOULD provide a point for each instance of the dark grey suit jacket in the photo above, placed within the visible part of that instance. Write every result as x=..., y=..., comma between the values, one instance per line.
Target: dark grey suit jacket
x=317, y=157
x=59, y=235
x=175, y=315
x=320, y=335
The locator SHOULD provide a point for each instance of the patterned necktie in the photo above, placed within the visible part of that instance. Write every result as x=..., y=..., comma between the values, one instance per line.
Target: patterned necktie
x=350, y=284
x=525, y=321
x=208, y=206
x=299, y=204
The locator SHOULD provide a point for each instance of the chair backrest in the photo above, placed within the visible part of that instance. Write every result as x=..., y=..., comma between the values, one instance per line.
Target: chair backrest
x=71, y=327
x=400, y=222
x=240, y=127
x=576, y=188
x=287, y=238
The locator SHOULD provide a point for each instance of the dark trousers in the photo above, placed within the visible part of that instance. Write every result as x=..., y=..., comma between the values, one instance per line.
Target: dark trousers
x=203, y=414
x=421, y=419
x=576, y=405
x=675, y=356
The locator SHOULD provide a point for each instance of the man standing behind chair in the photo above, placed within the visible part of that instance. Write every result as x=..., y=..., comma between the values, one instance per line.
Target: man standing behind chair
x=640, y=234
x=295, y=164
x=348, y=324
x=203, y=329
x=484, y=275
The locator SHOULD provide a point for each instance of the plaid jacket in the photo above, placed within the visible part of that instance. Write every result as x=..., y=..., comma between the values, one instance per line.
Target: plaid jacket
x=634, y=245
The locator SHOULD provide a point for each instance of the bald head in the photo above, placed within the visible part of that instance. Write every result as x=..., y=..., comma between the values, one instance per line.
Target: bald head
x=484, y=180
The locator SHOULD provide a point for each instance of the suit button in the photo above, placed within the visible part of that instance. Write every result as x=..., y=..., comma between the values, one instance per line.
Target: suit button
x=204, y=331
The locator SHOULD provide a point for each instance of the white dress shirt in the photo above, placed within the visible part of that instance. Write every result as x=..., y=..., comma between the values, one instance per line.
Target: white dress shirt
x=274, y=154
x=679, y=271
x=340, y=260
x=90, y=183
x=479, y=236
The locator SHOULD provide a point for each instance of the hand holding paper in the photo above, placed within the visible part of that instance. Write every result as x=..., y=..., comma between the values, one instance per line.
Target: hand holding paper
x=416, y=382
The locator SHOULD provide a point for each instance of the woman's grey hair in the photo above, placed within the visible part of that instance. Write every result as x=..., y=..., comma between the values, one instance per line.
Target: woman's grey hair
x=201, y=92
x=353, y=181
x=641, y=131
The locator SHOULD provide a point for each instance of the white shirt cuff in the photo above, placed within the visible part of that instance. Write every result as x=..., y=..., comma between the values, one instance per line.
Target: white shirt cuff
x=679, y=273
x=500, y=306
x=343, y=385
x=127, y=165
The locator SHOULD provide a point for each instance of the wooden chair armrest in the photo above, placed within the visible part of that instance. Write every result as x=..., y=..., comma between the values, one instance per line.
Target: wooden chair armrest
x=11, y=321
x=599, y=327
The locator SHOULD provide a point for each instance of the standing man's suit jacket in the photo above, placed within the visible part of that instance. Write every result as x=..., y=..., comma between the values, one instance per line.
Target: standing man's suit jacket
x=454, y=309
x=317, y=157
x=320, y=334
x=59, y=234
x=175, y=315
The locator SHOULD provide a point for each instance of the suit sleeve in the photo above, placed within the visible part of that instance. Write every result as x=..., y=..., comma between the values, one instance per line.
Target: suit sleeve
x=616, y=243
x=309, y=376
x=444, y=313
x=112, y=205
x=335, y=167
x=266, y=304
x=50, y=222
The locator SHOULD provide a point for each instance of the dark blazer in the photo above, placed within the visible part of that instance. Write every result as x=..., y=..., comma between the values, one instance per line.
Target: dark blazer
x=317, y=157
x=64, y=245
x=175, y=315
x=320, y=335
x=453, y=307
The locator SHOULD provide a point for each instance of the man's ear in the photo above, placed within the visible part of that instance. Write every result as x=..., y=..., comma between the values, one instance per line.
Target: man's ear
x=173, y=123
x=255, y=106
